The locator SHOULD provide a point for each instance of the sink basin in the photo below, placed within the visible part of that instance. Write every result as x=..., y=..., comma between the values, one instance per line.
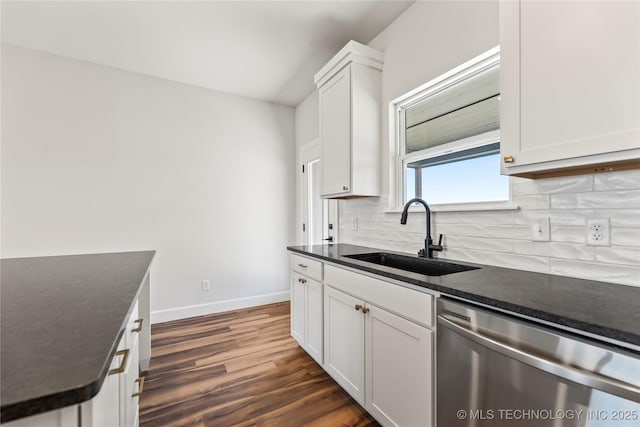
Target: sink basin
x=429, y=267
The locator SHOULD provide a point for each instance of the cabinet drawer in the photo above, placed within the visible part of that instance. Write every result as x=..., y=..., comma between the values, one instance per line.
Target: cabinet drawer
x=309, y=267
x=134, y=326
x=413, y=305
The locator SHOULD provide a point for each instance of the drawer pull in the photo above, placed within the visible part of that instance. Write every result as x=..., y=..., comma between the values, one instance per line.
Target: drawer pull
x=140, y=382
x=302, y=266
x=139, y=328
x=508, y=159
x=120, y=369
x=358, y=307
x=365, y=310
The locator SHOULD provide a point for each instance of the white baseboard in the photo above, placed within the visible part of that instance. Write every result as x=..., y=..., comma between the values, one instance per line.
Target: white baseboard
x=167, y=315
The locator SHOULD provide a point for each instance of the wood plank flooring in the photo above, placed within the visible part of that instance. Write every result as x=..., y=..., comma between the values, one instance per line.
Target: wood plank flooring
x=240, y=368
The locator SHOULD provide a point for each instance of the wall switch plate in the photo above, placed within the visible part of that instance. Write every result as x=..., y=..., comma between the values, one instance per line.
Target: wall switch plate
x=598, y=232
x=541, y=230
x=206, y=286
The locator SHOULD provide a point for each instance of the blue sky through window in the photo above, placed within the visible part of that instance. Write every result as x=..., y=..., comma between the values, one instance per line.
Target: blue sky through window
x=466, y=181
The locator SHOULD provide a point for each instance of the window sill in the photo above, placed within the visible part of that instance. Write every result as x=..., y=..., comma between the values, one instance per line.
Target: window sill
x=462, y=207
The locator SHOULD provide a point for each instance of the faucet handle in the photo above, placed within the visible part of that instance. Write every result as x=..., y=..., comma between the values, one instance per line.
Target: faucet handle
x=437, y=247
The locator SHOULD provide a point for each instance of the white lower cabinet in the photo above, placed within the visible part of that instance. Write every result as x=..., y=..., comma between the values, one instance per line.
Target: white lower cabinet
x=344, y=341
x=398, y=370
x=383, y=357
x=306, y=314
x=116, y=405
x=373, y=337
x=313, y=325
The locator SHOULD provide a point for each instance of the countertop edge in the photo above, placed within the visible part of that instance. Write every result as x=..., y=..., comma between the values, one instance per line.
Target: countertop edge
x=51, y=402
x=607, y=334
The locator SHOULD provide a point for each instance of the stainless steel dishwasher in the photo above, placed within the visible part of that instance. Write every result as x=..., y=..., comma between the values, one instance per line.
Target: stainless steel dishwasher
x=495, y=370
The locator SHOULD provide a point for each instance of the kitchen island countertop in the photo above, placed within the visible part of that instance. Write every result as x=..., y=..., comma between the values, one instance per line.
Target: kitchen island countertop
x=61, y=320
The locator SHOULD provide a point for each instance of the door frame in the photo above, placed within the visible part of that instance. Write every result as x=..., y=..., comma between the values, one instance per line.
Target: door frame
x=308, y=151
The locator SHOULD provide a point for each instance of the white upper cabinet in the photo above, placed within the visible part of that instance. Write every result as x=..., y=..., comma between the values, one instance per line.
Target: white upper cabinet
x=570, y=86
x=349, y=104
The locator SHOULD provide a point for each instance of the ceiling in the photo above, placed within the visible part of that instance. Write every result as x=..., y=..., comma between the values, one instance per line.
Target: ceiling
x=268, y=50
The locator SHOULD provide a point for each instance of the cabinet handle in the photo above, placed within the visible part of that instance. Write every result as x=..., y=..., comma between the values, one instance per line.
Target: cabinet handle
x=139, y=328
x=508, y=159
x=345, y=188
x=358, y=307
x=304, y=280
x=120, y=369
x=140, y=382
x=302, y=266
x=365, y=310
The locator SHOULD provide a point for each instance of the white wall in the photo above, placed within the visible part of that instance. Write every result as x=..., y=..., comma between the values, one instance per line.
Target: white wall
x=427, y=40
x=95, y=159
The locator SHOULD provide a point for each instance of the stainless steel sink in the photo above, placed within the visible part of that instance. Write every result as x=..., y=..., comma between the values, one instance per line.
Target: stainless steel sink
x=425, y=266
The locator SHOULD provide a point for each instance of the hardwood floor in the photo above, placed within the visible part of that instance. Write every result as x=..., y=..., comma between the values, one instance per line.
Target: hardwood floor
x=240, y=368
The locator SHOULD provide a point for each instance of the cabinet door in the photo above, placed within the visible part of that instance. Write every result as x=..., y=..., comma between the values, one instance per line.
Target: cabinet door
x=570, y=79
x=129, y=386
x=313, y=311
x=335, y=133
x=344, y=341
x=297, y=308
x=399, y=356
x=104, y=409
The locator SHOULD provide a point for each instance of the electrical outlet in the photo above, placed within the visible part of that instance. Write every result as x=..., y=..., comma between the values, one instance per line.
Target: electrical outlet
x=598, y=232
x=206, y=286
x=541, y=230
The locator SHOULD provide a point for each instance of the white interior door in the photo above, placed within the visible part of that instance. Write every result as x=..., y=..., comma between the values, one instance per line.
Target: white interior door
x=319, y=216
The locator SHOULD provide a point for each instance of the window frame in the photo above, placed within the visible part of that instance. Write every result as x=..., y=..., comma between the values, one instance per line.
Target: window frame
x=398, y=159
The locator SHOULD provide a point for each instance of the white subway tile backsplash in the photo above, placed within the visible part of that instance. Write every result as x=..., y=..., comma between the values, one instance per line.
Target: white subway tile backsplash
x=522, y=262
x=537, y=201
x=553, y=185
x=446, y=217
x=569, y=234
x=618, y=255
x=618, y=180
x=493, y=245
x=596, y=271
x=486, y=217
x=556, y=250
x=470, y=230
x=620, y=217
x=520, y=232
x=557, y=217
x=503, y=238
x=597, y=199
x=625, y=236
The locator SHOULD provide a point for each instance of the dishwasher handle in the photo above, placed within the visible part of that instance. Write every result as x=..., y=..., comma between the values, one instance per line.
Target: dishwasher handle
x=589, y=379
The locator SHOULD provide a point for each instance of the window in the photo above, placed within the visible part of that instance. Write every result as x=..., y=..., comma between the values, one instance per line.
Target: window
x=448, y=137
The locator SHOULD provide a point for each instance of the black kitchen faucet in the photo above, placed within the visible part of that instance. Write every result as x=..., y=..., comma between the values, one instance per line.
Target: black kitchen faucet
x=429, y=247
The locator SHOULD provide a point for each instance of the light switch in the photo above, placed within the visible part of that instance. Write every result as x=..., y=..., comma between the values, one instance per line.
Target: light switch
x=540, y=230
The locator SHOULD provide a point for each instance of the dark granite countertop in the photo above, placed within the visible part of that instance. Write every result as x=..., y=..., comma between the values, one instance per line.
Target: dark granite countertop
x=604, y=309
x=61, y=320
